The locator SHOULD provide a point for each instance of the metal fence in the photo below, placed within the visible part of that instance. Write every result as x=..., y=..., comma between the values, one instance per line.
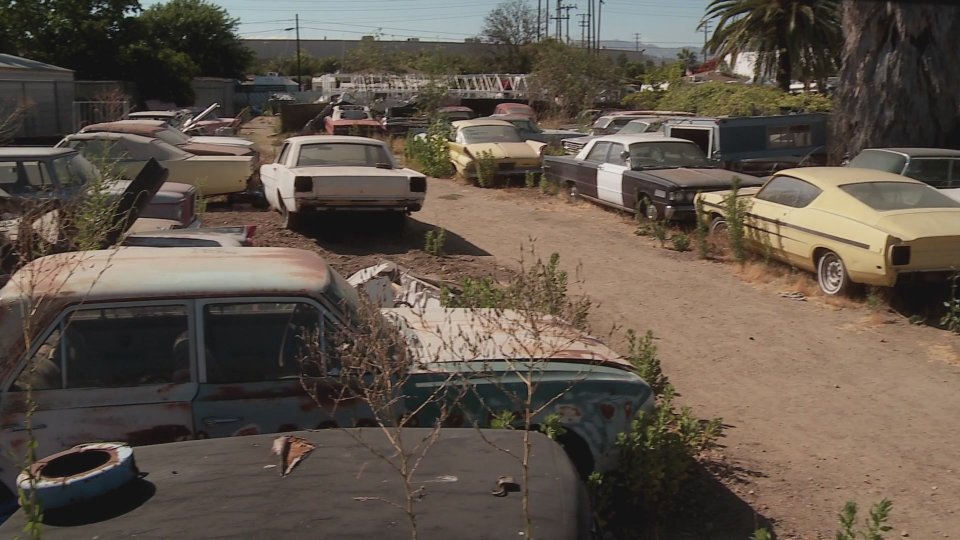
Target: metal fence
x=94, y=112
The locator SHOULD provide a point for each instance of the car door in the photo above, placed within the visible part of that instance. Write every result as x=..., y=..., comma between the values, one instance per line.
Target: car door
x=107, y=372
x=778, y=218
x=254, y=360
x=610, y=176
x=270, y=176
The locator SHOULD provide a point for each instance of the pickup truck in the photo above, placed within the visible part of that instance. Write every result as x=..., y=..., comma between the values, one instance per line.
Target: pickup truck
x=655, y=176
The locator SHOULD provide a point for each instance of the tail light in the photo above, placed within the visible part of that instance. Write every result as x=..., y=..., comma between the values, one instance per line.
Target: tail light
x=900, y=255
x=248, y=232
x=418, y=184
x=302, y=184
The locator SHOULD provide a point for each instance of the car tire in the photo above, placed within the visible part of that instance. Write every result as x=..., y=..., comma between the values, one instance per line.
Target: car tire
x=832, y=275
x=718, y=226
x=81, y=473
x=292, y=221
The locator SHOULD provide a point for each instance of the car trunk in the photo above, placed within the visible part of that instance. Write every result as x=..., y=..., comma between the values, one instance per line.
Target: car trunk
x=355, y=182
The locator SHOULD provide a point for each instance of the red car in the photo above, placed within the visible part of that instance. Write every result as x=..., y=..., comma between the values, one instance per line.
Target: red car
x=520, y=109
x=351, y=120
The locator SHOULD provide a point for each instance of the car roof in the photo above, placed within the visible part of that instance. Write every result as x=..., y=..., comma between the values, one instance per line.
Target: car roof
x=632, y=138
x=838, y=176
x=162, y=114
x=455, y=108
x=919, y=152
x=322, y=496
x=480, y=122
x=160, y=124
x=508, y=117
x=33, y=152
x=112, y=136
x=310, y=139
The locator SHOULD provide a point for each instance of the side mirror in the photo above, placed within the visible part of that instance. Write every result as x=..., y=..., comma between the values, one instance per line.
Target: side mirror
x=625, y=157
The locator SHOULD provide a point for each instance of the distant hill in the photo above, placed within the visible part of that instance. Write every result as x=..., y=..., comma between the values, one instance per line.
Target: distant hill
x=666, y=53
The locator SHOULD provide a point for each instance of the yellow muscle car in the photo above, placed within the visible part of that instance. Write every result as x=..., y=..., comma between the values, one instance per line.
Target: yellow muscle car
x=848, y=225
x=501, y=140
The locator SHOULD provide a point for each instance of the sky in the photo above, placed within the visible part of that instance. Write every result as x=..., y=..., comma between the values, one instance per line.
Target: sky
x=667, y=23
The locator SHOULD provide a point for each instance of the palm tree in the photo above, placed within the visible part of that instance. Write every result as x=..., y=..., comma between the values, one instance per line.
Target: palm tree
x=900, y=79
x=790, y=37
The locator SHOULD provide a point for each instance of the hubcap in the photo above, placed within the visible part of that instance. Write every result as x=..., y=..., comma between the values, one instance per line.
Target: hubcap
x=652, y=212
x=832, y=274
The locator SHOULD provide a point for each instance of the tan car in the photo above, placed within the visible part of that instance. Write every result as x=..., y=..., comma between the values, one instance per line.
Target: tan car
x=848, y=225
x=471, y=139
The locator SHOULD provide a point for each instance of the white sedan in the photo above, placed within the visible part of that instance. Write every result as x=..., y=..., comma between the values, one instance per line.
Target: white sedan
x=336, y=173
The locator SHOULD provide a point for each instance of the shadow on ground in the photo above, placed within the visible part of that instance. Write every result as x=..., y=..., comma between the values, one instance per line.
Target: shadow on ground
x=363, y=233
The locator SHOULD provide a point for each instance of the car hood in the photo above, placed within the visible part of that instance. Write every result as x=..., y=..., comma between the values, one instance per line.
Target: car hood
x=200, y=149
x=341, y=171
x=517, y=150
x=686, y=178
x=561, y=132
x=344, y=122
x=452, y=336
x=920, y=223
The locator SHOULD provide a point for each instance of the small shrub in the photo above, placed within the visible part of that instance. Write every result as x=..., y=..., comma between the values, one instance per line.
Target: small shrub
x=530, y=179
x=702, y=232
x=551, y=426
x=659, y=231
x=546, y=186
x=486, y=166
x=761, y=534
x=874, y=526
x=503, y=420
x=681, y=242
x=474, y=293
x=434, y=241
x=642, y=355
x=951, y=319
x=735, y=211
x=430, y=153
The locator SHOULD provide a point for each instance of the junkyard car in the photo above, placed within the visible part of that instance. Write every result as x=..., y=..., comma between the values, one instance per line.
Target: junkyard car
x=201, y=146
x=334, y=470
x=647, y=124
x=937, y=167
x=212, y=175
x=402, y=119
x=531, y=131
x=498, y=139
x=456, y=112
x=516, y=109
x=153, y=345
x=173, y=118
x=849, y=225
x=327, y=172
x=654, y=175
x=351, y=120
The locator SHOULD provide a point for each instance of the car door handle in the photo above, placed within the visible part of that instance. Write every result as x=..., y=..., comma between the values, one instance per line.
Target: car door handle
x=217, y=420
x=20, y=426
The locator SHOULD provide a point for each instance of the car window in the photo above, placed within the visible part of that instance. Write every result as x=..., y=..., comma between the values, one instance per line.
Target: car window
x=599, y=152
x=73, y=170
x=788, y=136
x=666, y=155
x=614, y=155
x=24, y=177
x=172, y=136
x=880, y=160
x=348, y=154
x=937, y=172
x=282, y=158
x=112, y=348
x=789, y=191
x=262, y=341
x=486, y=134
x=898, y=195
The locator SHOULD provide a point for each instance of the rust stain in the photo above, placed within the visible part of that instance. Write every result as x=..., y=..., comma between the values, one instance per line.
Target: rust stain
x=159, y=434
x=607, y=410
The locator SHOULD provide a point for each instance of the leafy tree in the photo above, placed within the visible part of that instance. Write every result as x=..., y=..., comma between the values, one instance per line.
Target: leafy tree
x=570, y=78
x=203, y=31
x=688, y=59
x=161, y=74
x=513, y=26
x=789, y=37
x=82, y=35
x=899, y=78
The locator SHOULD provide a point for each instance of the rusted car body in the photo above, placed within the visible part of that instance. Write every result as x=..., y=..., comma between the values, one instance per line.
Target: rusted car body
x=351, y=120
x=152, y=345
x=199, y=146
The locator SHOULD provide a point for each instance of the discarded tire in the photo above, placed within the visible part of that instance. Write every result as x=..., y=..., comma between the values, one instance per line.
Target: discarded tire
x=81, y=473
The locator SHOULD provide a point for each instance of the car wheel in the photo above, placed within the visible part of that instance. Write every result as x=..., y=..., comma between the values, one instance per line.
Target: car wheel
x=573, y=194
x=832, y=274
x=718, y=226
x=292, y=221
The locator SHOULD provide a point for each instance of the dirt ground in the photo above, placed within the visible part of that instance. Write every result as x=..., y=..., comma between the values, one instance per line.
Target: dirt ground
x=824, y=402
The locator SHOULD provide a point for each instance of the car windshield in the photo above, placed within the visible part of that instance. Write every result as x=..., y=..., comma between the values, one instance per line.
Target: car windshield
x=939, y=172
x=488, y=134
x=659, y=155
x=353, y=114
x=639, y=127
x=898, y=195
x=173, y=136
x=349, y=154
x=74, y=170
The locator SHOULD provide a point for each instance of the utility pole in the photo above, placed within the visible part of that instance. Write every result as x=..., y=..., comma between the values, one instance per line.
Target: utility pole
x=539, y=7
x=584, y=21
x=589, y=24
x=599, y=13
x=559, y=20
x=546, y=19
x=705, y=25
x=299, y=71
x=636, y=36
x=566, y=17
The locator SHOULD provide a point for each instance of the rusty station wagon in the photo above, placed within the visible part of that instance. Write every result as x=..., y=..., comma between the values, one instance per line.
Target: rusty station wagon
x=153, y=345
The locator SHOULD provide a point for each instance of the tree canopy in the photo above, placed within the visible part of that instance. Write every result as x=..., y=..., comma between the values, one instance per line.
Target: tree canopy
x=512, y=25
x=791, y=38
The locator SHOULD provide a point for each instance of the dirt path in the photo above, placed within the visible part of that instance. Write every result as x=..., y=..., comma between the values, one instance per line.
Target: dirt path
x=824, y=404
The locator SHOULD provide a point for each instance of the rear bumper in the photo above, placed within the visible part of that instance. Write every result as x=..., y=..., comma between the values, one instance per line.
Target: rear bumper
x=318, y=204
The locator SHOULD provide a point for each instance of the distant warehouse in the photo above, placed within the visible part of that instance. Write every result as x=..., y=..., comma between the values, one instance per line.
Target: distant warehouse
x=45, y=92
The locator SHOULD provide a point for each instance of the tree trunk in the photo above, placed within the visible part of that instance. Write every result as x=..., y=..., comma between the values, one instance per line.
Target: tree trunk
x=784, y=69
x=900, y=81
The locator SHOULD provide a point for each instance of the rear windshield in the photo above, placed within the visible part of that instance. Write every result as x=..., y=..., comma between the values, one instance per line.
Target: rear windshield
x=485, y=134
x=350, y=154
x=898, y=196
